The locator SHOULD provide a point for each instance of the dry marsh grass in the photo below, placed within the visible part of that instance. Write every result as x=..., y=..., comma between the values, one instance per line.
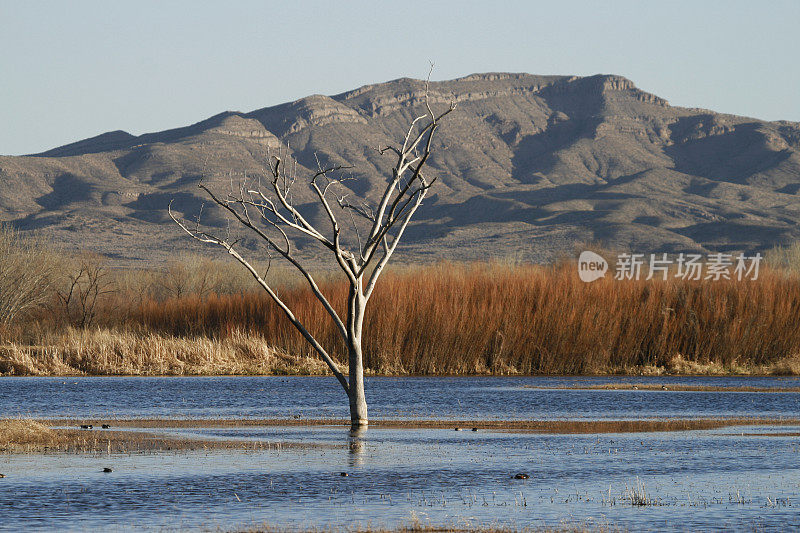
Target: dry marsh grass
x=22, y=435
x=63, y=436
x=674, y=387
x=537, y=426
x=33, y=436
x=512, y=319
x=103, y=352
x=454, y=319
x=416, y=526
x=590, y=426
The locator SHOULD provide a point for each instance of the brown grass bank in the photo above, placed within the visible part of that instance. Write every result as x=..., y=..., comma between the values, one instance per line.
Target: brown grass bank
x=491, y=318
x=451, y=319
x=415, y=526
x=110, y=352
x=65, y=436
x=33, y=436
x=675, y=387
x=537, y=426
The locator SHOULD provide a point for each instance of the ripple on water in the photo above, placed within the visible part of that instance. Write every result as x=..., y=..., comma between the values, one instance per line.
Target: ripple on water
x=735, y=478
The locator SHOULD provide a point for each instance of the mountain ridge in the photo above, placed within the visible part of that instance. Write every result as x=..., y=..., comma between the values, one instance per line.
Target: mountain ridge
x=528, y=166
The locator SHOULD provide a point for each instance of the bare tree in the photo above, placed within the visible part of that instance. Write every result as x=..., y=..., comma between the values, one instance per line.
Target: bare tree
x=85, y=285
x=26, y=272
x=191, y=275
x=271, y=214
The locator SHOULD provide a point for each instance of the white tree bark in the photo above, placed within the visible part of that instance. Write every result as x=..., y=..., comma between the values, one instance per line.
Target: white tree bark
x=270, y=213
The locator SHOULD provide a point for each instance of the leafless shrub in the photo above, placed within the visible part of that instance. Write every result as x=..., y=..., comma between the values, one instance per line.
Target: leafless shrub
x=86, y=282
x=26, y=272
x=784, y=258
x=198, y=276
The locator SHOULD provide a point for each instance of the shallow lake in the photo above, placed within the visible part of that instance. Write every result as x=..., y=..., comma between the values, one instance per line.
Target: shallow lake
x=728, y=478
x=416, y=397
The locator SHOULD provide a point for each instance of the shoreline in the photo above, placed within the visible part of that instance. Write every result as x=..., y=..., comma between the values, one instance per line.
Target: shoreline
x=131, y=435
x=670, y=387
x=632, y=373
x=543, y=426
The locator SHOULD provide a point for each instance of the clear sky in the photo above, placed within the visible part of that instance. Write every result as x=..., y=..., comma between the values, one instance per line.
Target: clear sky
x=72, y=70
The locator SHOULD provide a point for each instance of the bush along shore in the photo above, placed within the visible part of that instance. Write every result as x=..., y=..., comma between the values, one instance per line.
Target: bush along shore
x=204, y=318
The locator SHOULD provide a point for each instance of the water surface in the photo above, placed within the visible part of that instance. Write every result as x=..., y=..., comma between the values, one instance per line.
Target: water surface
x=398, y=398
x=728, y=478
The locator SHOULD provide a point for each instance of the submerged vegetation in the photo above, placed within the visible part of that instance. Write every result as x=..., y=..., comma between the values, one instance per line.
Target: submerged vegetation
x=198, y=316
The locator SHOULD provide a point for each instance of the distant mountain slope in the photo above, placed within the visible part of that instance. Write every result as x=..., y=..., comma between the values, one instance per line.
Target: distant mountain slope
x=528, y=165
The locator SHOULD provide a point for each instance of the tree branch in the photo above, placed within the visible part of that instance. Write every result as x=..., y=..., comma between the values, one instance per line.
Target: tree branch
x=209, y=238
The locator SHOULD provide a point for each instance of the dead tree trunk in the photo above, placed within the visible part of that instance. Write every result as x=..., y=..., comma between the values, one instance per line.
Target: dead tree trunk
x=355, y=359
x=270, y=214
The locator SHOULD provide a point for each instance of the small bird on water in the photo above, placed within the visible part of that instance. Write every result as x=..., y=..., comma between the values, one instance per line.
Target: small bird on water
x=107, y=469
x=522, y=476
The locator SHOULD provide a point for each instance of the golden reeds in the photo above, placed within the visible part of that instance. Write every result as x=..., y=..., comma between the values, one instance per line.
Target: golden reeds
x=33, y=436
x=103, y=352
x=18, y=434
x=442, y=319
x=490, y=318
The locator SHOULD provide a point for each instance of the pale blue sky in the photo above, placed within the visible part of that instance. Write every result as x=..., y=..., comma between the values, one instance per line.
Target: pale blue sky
x=71, y=70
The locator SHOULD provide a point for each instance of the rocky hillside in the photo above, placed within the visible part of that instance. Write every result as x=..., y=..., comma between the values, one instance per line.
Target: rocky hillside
x=527, y=165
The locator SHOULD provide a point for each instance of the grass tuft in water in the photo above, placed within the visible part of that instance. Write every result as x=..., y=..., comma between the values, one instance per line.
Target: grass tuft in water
x=637, y=494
